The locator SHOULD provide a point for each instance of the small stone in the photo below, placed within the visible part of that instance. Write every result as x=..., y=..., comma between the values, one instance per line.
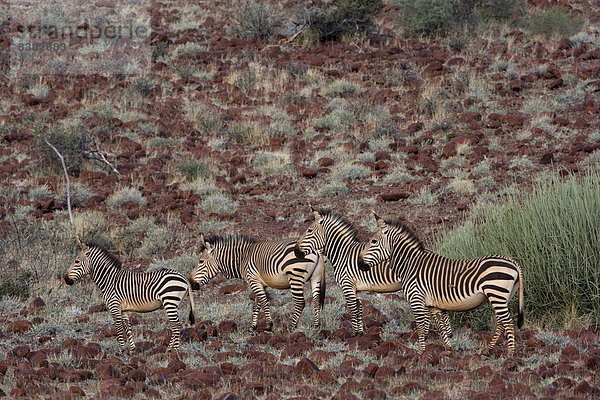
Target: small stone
x=36, y=305
x=19, y=326
x=306, y=367
x=394, y=196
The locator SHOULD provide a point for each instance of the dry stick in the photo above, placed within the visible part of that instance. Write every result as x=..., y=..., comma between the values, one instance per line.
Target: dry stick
x=104, y=159
x=62, y=160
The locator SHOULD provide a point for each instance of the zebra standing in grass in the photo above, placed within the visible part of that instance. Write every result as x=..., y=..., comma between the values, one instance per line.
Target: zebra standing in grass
x=262, y=264
x=125, y=291
x=334, y=237
x=432, y=282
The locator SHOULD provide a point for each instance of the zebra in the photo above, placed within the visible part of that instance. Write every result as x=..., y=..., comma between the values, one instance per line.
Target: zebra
x=433, y=283
x=336, y=238
x=263, y=264
x=128, y=291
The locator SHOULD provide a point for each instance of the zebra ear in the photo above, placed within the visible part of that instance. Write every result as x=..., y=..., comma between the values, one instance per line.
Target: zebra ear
x=316, y=213
x=81, y=245
x=208, y=247
x=380, y=222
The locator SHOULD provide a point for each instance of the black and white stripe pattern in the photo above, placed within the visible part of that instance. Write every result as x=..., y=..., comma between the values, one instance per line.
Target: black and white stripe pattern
x=334, y=237
x=263, y=264
x=125, y=291
x=433, y=283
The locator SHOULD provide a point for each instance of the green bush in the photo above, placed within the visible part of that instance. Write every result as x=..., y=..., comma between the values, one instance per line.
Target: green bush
x=123, y=195
x=343, y=18
x=554, y=22
x=554, y=234
x=439, y=17
x=256, y=20
x=193, y=169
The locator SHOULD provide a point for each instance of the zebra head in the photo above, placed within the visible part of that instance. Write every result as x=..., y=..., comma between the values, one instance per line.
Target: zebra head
x=207, y=266
x=81, y=266
x=377, y=249
x=313, y=239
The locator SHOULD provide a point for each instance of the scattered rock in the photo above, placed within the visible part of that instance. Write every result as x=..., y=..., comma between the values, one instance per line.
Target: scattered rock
x=19, y=326
x=227, y=327
x=394, y=196
x=36, y=305
x=305, y=367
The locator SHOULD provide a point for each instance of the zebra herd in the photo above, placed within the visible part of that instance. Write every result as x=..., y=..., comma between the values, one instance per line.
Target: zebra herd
x=392, y=259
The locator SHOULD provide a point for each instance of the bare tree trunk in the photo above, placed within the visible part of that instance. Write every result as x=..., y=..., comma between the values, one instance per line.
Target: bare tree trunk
x=68, y=181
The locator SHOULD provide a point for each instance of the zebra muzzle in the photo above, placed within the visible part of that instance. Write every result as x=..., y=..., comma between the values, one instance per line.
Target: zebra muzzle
x=68, y=280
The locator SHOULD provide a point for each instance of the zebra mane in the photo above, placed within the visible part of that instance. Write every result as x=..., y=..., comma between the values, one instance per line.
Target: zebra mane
x=216, y=240
x=114, y=261
x=340, y=221
x=408, y=232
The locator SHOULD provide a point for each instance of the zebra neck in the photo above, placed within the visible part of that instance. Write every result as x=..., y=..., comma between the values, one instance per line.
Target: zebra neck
x=402, y=260
x=230, y=260
x=103, y=273
x=340, y=249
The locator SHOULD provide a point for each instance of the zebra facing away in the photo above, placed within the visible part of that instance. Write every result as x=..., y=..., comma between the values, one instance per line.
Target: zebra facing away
x=334, y=237
x=432, y=282
x=127, y=291
x=263, y=264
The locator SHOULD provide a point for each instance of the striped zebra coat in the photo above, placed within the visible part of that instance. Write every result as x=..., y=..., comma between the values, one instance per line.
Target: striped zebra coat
x=128, y=291
x=263, y=264
x=432, y=282
x=336, y=238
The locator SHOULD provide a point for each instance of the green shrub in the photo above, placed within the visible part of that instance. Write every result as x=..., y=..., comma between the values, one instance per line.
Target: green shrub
x=193, y=169
x=256, y=20
x=554, y=22
x=343, y=18
x=34, y=255
x=268, y=163
x=553, y=234
x=352, y=172
x=218, y=203
x=123, y=195
x=440, y=17
x=91, y=226
x=70, y=139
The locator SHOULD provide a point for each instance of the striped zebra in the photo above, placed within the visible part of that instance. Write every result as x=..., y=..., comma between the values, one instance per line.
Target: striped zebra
x=263, y=264
x=433, y=283
x=127, y=291
x=336, y=238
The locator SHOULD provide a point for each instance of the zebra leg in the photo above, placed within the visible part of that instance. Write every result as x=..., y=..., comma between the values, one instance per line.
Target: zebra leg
x=173, y=315
x=255, y=312
x=504, y=323
x=297, y=288
x=317, y=283
x=117, y=316
x=442, y=323
x=422, y=319
x=127, y=331
x=263, y=301
x=354, y=307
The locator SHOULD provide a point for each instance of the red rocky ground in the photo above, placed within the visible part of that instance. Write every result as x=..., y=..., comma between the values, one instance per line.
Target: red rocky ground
x=451, y=111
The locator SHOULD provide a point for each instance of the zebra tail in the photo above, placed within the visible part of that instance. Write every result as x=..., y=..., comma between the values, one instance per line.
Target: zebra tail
x=192, y=316
x=521, y=317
